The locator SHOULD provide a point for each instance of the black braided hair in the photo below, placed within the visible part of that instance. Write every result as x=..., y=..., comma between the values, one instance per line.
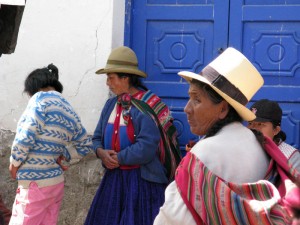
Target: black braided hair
x=280, y=137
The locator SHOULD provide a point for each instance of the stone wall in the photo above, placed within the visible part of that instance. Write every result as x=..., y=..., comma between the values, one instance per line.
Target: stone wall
x=81, y=182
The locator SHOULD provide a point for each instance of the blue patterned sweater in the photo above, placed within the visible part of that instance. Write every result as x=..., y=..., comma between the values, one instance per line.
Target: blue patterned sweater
x=48, y=128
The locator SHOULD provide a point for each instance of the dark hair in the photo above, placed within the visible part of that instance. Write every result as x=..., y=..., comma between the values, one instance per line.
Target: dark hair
x=134, y=80
x=280, y=137
x=232, y=115
x=42, y=78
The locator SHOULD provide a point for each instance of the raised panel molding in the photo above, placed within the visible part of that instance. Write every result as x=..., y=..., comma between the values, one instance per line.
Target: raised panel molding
x=276, y=54
x=178, y=51
x=291, y=126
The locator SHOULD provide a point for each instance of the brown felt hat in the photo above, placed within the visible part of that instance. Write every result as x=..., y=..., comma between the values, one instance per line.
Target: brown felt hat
x=122, y=60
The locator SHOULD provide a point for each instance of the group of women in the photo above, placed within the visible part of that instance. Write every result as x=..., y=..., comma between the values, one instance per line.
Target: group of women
x=232, y=175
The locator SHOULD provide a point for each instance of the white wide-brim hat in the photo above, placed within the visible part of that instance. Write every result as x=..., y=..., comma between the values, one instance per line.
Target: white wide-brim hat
x=233, y=77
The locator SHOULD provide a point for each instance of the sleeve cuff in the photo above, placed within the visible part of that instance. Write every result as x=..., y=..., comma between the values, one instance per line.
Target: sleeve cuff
x=14, y=162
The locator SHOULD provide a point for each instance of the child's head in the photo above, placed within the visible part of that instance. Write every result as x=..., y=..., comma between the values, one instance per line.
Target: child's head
x=268, y=119
x=42, y=78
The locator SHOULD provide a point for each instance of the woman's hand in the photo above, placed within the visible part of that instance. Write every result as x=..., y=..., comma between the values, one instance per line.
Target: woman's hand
x=13, y=171
x=109, y=158
x=60, y=161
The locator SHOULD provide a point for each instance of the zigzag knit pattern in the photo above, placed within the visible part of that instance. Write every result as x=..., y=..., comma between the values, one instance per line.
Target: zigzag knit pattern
x=48, y=125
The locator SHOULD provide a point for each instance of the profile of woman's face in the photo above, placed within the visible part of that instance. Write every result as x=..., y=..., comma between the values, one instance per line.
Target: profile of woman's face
x=201, y=112
x=118, y=85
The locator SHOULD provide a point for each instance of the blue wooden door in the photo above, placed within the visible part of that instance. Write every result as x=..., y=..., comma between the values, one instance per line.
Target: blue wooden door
x=173, y=35
x=268, y=33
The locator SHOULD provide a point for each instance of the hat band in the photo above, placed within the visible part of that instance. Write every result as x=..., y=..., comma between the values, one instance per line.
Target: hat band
x=117, y=62
x=220, y=82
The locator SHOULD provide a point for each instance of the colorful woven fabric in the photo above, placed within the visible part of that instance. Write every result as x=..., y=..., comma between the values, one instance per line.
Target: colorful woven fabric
x=169, y=150
x=151, y=104
x=212, y=200
x=127, y=194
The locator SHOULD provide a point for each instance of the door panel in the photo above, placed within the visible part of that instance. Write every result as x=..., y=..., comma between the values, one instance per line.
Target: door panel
x=268, y=33
x=174, y=35
x=169, y=36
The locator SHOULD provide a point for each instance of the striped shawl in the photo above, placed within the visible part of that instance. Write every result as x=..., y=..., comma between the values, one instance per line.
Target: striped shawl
x=212, y=200
x=169, y=151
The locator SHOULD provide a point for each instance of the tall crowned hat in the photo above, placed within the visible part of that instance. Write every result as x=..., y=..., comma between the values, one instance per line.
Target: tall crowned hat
x=233, y=77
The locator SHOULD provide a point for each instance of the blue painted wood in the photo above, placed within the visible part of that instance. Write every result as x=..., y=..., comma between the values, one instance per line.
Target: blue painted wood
x=169, y=36
x=268, y=33
x=174, y=35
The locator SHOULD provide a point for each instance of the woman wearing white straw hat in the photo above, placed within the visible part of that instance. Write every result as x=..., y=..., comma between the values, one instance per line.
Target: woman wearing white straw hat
x=228, y=177
x=137, y=143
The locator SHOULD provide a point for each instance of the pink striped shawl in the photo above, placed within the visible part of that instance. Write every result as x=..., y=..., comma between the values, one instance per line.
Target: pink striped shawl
x=212, y=200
